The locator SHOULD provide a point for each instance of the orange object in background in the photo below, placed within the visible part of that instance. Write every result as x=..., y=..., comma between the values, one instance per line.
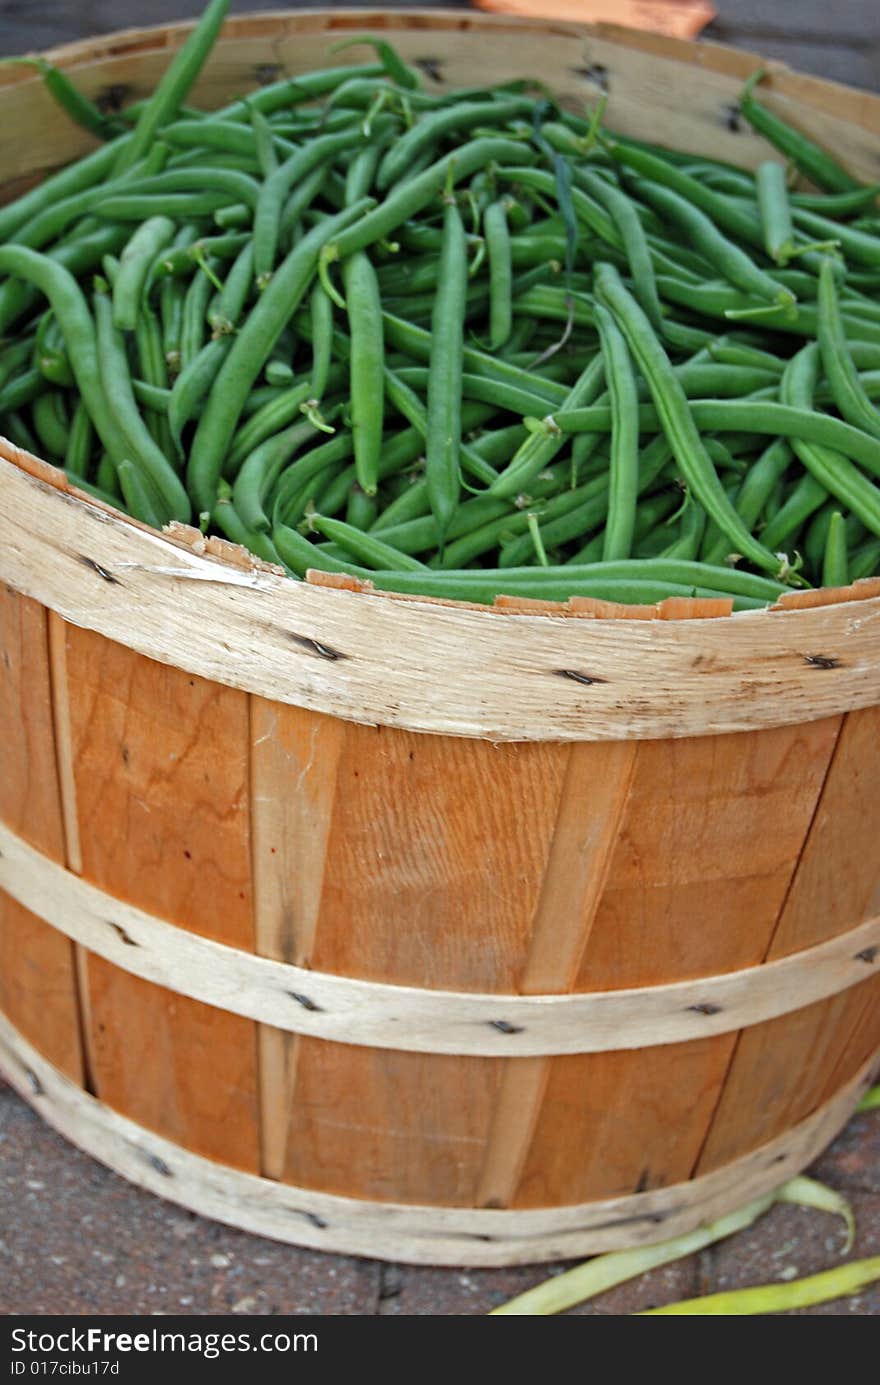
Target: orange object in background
x=677, y=18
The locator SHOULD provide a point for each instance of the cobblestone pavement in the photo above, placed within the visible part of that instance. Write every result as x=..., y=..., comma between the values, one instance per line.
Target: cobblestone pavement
x=74, y=1238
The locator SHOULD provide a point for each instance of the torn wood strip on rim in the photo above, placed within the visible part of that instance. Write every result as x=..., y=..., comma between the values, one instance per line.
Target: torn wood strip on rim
x=374, y=660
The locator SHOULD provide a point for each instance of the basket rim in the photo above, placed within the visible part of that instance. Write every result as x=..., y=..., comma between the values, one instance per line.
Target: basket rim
x=505, y=675
x=775, y=654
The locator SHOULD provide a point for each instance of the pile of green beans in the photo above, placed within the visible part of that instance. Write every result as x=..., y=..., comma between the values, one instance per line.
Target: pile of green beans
x=465, y=344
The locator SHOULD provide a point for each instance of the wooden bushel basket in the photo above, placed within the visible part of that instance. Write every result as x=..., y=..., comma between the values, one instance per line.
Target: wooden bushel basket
x=433, y=933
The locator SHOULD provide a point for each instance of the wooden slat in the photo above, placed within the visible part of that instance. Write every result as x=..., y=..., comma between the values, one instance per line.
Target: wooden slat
x=706, y=852
x=591, y=804
x=38, y=986
x=29, y=802
x=436, y=858
x=37, y=978
x=615, y=1123
x=294, y=757
x=429, y=874
x=711, y=834
x=159, y=772
x=376, y=1124
x=781, y=1071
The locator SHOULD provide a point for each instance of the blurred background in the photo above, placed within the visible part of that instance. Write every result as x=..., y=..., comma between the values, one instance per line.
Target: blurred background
x=839, y=39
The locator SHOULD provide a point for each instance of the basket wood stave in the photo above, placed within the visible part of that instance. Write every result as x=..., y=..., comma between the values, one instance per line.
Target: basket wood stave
x=666, y=832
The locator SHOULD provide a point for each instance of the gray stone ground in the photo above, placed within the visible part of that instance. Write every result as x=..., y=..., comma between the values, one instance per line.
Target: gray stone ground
x=75, y=1238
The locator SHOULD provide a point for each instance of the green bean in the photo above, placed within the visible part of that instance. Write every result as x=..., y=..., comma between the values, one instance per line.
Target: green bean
x=19, y=433
x=543, y=444
x=632, y=237
x=775, y=211
x=264, y=143
x=416, y=342
x=832, y=469
x=261, y=469
x=810, y=158
x=154, y=371
x=267, y=218
x=50, y=353
x=134, y=442
x=80, y=442
x=361, y=509
x=365, y=549
x=408, y=403
x=271, y=417
x=361, y=171
x=293, y=90
x=249, y=352
x=321, y=317
x=130, y=206
x=194, y=322
x=230, y=302
x=79, y=256
x=366, y=364
x=27, y=387
x=721, y=210
x=412, y=503
x=754, y=492
x=856, y=245
x=143, y=247
x=226, y=518
x=298, y=204
x=676, y=418
x=78, y=330
x=835, y=560
x=624, y=470
x=552, y=584
x=687, y=545
x=192, y=385
x=443, y=442
x=716, y=299
x=76, y=178
x=786, y=523
x=497, y=233
x=734, y=264
x=140, y=496
x=413, y=196
x=427, y=132
x=174, y=85
x=750, y=357
x=50, y=423
x=864, y=562
x=846, y=387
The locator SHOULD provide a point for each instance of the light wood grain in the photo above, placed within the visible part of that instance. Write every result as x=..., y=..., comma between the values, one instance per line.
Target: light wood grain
x=294, y=757
x=782, y=1071
x=502, y=676
x=37, y=974
x=157, y=763
x=392, y=1230
x=374, y=1014
x=592, y=800
x=713, y=832
x=645, y=74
